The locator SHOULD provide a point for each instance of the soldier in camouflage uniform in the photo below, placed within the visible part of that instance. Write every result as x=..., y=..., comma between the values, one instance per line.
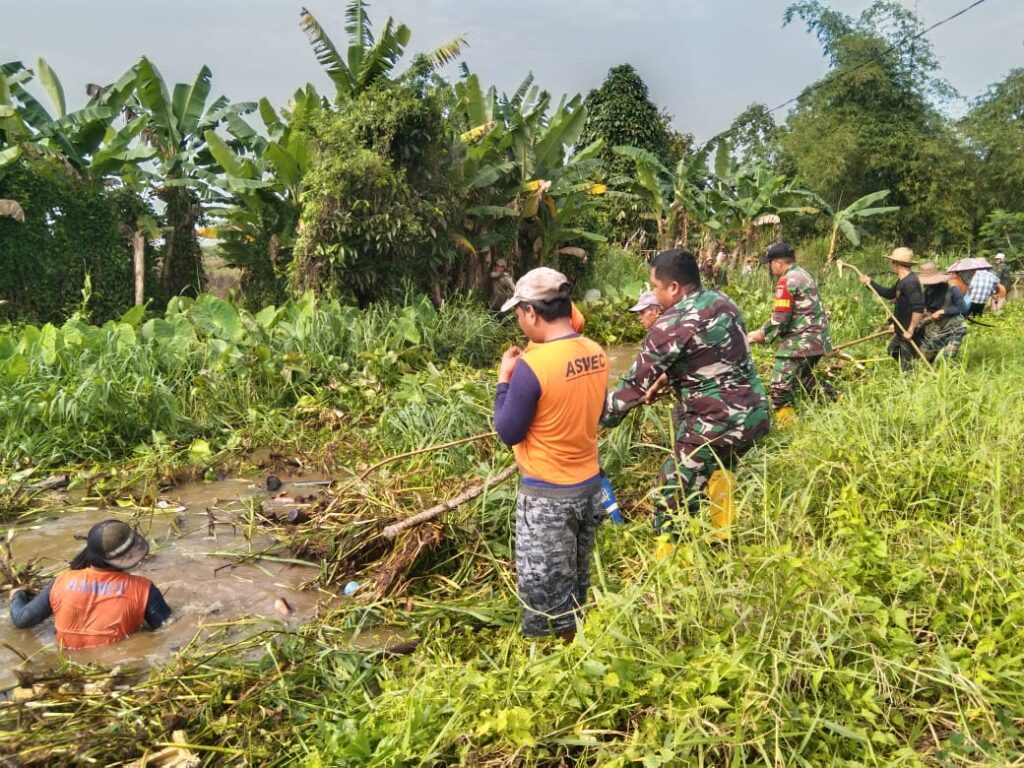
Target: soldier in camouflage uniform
x=700, y=343
x=800, y=323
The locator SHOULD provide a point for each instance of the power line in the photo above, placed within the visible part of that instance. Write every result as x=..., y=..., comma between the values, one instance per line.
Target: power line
x=828, y=80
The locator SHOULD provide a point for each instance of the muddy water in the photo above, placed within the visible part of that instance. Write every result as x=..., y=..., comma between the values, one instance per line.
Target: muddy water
x=620, y=358
x=194, y=560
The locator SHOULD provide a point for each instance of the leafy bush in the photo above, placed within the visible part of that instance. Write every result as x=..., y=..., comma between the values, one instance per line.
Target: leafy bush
x=375, y=203
x=78, y=392
x=71, y=230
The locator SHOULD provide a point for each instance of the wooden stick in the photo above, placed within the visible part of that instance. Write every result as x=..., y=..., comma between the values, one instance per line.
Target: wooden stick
x=861, y=340
x=889, y=312
x=391, y=531
x=428, y=449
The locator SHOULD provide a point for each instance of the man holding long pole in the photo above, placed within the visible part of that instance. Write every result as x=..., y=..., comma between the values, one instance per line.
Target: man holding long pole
x=908, y=311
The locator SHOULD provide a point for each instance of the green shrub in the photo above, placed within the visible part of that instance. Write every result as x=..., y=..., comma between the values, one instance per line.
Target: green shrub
x=71, y=230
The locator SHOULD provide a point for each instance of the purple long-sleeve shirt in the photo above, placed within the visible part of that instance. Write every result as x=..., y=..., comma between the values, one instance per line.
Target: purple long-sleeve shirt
x=515, y=404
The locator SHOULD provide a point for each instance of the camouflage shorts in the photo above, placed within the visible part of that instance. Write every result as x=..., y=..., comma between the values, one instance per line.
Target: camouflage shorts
x=554, y=539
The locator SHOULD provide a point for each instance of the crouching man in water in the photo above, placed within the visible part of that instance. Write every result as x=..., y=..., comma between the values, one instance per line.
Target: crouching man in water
x=96, y=602
x=547, y=407
x=700, y=343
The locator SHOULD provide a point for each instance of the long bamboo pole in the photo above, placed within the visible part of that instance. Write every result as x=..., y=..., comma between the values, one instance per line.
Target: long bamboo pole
x=428, y=449
x=861, y=340
x=885, y=305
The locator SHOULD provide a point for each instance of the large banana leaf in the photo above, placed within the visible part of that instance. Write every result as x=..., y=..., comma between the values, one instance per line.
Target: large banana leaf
x=360, y=35
x=152, y=93
x=379, y=60
x=866, y=201
x=446, y=53
x=641, y=155
x=224, y=155
x=51, y=83
x=848, y=229
x=193, y=105
x=287, y=166
x=327, y=54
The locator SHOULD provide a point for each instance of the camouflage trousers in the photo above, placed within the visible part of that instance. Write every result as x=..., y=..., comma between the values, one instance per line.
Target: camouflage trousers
x=794, y=374
x=700, y=449
x=943, y=337
x=555, y=530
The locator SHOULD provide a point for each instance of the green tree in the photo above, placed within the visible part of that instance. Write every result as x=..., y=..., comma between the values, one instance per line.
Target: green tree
x=872, y=123
x=754, y=136
x=1004, y=231
x=621, y=113
x=376, y=204
x=995, y=132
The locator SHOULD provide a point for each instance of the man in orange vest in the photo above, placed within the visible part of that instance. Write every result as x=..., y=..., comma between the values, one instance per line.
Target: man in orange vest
x=96, y=602
x=548, y=402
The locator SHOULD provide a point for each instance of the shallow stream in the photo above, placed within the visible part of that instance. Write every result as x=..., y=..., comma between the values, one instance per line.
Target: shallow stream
x=198, y=538
x=620, y=358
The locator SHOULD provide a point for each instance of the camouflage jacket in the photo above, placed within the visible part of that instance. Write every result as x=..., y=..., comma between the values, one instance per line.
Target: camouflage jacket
x=702, y=345
x=798, y=318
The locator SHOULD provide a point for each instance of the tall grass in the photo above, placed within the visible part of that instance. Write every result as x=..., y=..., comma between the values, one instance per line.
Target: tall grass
x=205, y=369
x=866, y=612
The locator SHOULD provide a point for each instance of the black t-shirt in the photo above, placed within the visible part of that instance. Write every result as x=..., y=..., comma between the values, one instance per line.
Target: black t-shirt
x=908, y=294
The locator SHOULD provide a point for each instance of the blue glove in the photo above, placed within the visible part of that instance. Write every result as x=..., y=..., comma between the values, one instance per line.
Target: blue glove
x=609, y=502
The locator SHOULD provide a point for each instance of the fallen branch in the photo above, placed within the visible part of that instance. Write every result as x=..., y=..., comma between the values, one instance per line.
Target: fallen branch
x=391, y=531
x=428, y=449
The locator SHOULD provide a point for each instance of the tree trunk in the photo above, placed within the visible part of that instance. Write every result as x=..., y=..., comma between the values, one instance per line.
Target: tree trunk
x=181, y=271
x=139, y=264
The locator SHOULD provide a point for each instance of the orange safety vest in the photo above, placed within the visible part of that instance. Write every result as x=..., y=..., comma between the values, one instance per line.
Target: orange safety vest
x=560, y=446
x=93, y=607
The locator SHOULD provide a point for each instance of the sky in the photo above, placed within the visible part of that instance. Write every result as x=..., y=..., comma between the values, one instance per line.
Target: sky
x=703, y=60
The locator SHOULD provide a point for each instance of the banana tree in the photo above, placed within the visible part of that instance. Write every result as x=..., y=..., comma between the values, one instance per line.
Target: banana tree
x=746, y=195
x=367, y=58
x=262, y=177
x=673, y=200
x=522, y=171
x=844, y=220
x=175, y=127
x=75, y=140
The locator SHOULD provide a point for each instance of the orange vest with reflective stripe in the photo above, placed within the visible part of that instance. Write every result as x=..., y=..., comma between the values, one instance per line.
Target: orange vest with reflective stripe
x=560, y=446
x=92, y=607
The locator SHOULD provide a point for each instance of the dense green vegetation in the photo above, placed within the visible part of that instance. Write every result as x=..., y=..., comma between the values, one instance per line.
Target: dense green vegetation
x=866, y=612
x=405, y=178
x=867, y=609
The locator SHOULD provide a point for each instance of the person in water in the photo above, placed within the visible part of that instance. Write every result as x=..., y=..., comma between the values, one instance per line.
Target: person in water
x=96, y=602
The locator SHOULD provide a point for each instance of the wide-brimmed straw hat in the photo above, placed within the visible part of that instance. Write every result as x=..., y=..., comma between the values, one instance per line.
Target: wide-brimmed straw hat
x=902, y=256
x=930, y=275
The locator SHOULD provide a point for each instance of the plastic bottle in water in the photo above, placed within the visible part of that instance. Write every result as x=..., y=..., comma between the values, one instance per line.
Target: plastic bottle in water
x=609, y=502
